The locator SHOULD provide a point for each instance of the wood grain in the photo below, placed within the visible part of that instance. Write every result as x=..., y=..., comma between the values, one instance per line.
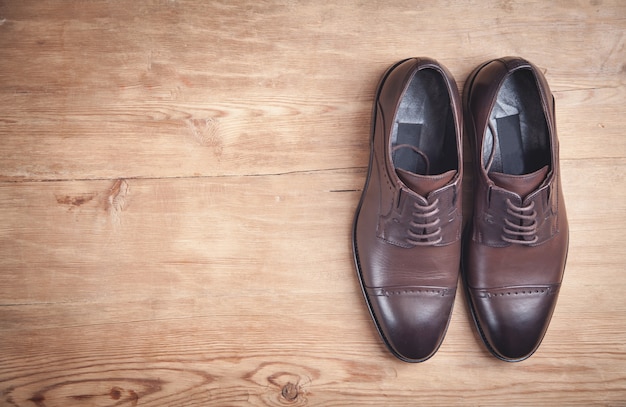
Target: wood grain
x=178, y=181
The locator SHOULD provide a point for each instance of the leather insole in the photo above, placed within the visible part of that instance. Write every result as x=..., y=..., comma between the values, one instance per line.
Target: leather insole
x=424, y=124
x=520, y=144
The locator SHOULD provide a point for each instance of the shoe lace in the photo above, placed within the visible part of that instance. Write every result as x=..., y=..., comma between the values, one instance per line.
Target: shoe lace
x=417, y=151
x=420, y=231
x=523, y=230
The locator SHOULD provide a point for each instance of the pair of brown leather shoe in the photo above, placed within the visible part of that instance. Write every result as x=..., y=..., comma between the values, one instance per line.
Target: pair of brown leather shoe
x=407, y=230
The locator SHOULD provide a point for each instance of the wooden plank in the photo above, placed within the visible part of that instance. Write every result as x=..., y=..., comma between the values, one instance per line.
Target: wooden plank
x=185, y=88
x=178, y=181
x=189, y=274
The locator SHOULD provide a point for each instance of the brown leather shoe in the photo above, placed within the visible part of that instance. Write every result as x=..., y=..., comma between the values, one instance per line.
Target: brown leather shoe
x=515, y=251
x=406, y=235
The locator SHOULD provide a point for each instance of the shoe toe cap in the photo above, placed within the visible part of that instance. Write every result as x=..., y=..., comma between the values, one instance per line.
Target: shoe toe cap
x=413, y=321
x=514, y=320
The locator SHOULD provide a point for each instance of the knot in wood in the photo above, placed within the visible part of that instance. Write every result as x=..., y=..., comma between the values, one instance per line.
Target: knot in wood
x=290, y=391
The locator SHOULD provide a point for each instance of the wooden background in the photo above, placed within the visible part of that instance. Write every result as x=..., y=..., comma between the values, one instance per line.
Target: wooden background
x=178, y=181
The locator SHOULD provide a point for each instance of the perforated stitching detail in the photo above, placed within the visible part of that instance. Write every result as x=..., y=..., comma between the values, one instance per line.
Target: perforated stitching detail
x=435, y=291
x=516, y=293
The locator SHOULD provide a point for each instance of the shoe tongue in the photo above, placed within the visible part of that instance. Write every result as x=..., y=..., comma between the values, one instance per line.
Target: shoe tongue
x=520, y=184
x=424, y=184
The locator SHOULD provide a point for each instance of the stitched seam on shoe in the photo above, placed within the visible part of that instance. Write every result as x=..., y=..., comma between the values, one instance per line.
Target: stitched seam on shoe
x=383, y=292
x=537, y=291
